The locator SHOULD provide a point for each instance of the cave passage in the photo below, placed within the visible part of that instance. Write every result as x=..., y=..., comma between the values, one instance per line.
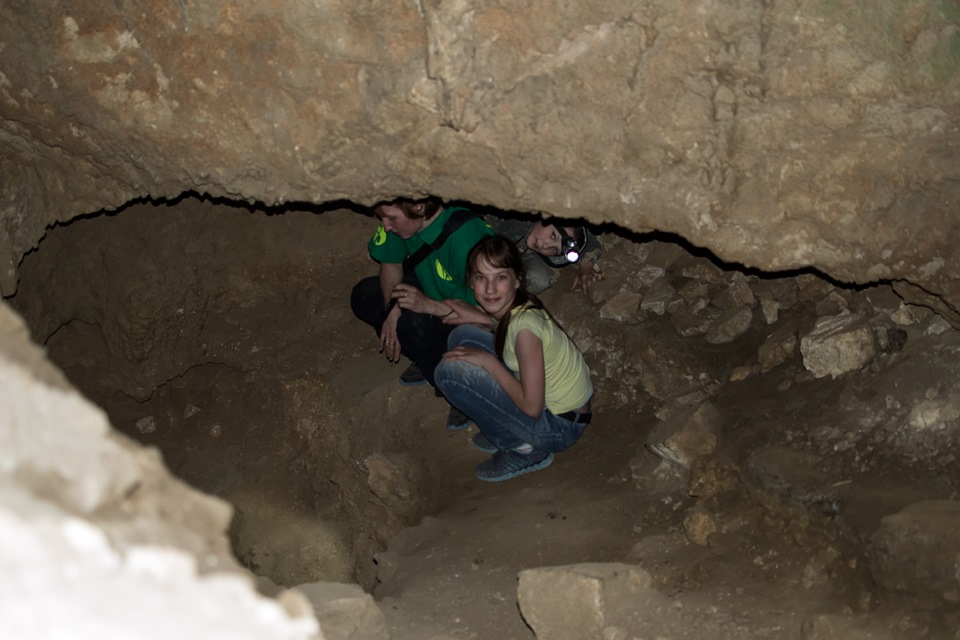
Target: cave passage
x=222, y=335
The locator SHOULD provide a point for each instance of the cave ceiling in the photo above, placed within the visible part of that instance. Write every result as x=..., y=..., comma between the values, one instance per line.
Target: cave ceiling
x=780, y=135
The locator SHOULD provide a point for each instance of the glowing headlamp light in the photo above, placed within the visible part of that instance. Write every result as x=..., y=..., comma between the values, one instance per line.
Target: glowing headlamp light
x=569, y=248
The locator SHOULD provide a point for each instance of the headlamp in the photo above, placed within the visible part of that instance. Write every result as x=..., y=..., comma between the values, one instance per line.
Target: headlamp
x=569, y=248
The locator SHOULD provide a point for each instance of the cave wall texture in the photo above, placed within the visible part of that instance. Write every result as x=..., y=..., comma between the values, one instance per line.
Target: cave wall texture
x=779, y=134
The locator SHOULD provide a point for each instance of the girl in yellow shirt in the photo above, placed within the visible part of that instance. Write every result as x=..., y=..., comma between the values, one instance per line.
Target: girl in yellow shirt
x=512, y=369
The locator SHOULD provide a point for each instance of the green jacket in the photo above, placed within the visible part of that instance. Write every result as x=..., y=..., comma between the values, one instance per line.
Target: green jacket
x=443, y=273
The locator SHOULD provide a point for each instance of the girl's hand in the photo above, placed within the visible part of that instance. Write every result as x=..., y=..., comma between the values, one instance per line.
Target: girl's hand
x=479, y=357
x=464, y=313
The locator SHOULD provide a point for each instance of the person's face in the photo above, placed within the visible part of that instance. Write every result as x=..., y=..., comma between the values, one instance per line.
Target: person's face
x=545, y=240
x=494, y=288
x=394, y=220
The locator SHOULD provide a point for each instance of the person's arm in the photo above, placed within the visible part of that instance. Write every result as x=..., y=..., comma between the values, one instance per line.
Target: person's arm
x=532, y=393
x=587, y=273
x=588, y=270
x=529, y=391
x=390, y=276
x=465, y=313
x=409, y=297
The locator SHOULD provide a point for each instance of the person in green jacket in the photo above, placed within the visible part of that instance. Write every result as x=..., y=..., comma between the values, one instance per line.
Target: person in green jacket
x=404, y=303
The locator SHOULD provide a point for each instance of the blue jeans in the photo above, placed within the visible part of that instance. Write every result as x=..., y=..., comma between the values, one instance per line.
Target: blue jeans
x=475, y=392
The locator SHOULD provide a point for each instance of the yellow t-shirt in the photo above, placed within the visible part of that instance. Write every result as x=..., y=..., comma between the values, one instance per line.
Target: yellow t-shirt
x=567, y=376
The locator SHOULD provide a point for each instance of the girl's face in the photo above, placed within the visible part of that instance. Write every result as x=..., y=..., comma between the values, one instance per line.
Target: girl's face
x=544, y=239
x=393, y=219
x=494, y=288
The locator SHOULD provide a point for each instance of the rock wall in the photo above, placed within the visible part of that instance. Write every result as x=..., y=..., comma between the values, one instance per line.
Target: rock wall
x=779, y=134
x=97, y=539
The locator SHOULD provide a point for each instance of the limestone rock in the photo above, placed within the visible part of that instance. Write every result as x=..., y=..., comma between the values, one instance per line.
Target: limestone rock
x=345, y=611
x=623, y=307
x=582, y=601
x=689, y=323
x=657, y=297
x=647, y=274
x=88, y=520
x=917, y=551
x=695, y=294
x=812, y=289
x=779, y=346
x=775, y=295
x=712, y=475
x=729, y=326
x=145, y=104
x=737, y=294
x=838, y=345
x=686, y=436
x=883, y=298
x=700, y=269
x=699, y=525
x=770, y=310
x=387, y=478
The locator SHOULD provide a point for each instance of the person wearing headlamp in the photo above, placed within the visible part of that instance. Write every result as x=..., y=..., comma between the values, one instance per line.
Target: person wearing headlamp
x=550, y=244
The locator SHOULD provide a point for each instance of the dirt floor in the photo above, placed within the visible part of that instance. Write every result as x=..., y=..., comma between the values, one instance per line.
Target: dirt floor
x=223, y=336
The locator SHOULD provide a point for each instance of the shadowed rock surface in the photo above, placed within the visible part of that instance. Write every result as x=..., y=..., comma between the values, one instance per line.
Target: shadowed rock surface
x=760, y=497
x=779, y=135
x=775, y=448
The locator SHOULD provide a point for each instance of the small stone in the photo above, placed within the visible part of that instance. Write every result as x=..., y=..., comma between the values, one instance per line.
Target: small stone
x=648, y=274
x=689, y=323
x=307, y=428
x=729, y=326
x=658, y=296
x=695, y=294
x=623, y=307
x=686, y=436
x=777, y=348
x=712, y=475
x=937, y=326
x=737, y=294
x=146, y=425
x=741, y=373
x=699, y=525
x=771, y=310
x=903, y=316
x=837, y=345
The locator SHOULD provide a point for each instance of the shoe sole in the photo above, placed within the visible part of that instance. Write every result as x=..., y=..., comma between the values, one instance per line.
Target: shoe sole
x=543, y=464
x=407, y=383
x=459, y=427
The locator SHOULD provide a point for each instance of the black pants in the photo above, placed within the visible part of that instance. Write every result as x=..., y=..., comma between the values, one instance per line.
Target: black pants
x=423, y=337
